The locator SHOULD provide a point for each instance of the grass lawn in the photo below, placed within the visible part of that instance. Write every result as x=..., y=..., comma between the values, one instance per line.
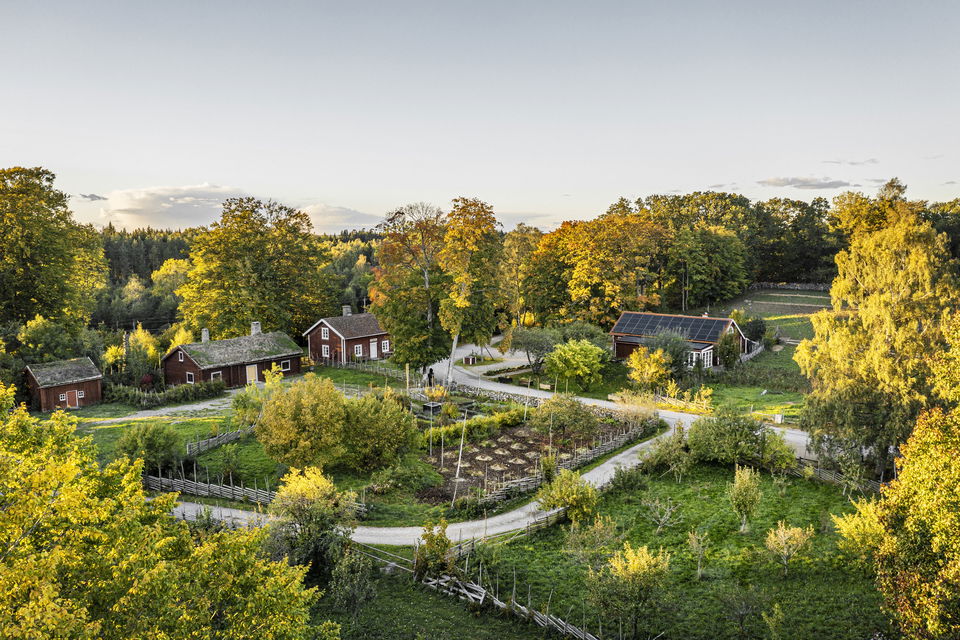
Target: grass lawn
x=480, y=363
x=353, y=377
x=403, y=610
x=789, y=311
x=105, y=436
x=748, y=399
x=822, y=598
x=782, y=359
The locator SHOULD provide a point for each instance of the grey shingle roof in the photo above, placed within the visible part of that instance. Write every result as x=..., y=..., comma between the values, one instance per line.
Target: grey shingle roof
x=355, y=326
x=242, y=350
x=52, y=374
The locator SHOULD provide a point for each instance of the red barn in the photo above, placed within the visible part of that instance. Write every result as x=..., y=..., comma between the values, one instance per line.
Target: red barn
x=65, y=384
x=348, y=337
x=235, y=361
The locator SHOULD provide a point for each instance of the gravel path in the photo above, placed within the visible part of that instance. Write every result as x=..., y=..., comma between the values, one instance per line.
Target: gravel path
x=512, y=520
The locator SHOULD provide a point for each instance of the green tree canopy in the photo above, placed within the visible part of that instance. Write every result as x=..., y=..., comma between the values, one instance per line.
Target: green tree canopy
x=49, y=264
x=259, y=262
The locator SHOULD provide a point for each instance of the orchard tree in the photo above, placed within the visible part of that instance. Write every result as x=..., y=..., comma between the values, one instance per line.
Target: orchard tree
x=259, y=262
x=745, y=494
x=409, y=284
x=568, y=490
x=785, y=542
x=49, y=265
x=470, y=257
x=629, y=586
x=576, y=360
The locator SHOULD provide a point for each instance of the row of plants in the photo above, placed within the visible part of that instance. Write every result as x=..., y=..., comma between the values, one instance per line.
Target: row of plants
x=136, y=397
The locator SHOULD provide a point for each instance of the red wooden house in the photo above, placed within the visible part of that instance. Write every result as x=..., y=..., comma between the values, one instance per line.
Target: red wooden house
x=235, y=361
x=64, y=384
x=348, y=337
x=702, y=333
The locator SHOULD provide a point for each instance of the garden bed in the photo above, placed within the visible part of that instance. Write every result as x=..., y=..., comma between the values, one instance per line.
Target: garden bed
x=512, y=453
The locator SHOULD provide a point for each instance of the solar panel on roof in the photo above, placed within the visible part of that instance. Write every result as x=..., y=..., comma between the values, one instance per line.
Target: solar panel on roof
x=692, y=327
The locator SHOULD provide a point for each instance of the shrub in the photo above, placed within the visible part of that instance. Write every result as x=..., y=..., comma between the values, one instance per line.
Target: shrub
x=564, y=415
x=376, y=432
x=433, y=555
x=670, y=455
x=648, y=368
x=351, y=582
x=568, y=490
x=172, y=395
x=728, y=350
x=157, y=443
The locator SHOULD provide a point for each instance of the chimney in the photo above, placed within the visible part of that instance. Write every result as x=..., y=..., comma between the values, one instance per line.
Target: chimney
x=254, y=328
x=347, y=310
x=204, y=335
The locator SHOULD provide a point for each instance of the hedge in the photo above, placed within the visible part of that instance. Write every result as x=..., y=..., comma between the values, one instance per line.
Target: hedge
x=173, y=395
x=477, y=428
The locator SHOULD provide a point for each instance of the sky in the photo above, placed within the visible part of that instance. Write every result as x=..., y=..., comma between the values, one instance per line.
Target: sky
x=151, y=113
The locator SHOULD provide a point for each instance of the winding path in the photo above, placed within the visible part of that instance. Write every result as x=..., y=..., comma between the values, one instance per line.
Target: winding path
x=511, y=520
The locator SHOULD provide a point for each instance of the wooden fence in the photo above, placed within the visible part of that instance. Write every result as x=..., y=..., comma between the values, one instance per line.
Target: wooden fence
x=805, y=466
x=474, y=592
x=199, y=446
x=225, y=491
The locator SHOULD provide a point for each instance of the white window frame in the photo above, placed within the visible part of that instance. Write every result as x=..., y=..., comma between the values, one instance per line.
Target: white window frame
x=80, y=395
x=63, y=397
x=385, y=346
x=324, y=333
x=190, y=378
x=216, y=375
x=180, y=356
x=284, y=365
x=325, y=350
x=358, y=350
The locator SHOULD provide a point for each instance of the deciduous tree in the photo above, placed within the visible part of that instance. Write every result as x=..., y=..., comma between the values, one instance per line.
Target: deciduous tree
x=302, y=425
x=576, y=360
x=259, y=262
x=409, y=284
x=49, y=265
x=629, y=585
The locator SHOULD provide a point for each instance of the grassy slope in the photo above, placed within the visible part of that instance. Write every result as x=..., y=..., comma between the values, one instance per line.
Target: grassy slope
x=189, y=427
x=403, y=610
x=821, y=599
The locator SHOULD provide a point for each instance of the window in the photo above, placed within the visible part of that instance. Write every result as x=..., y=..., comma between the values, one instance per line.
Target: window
x=325, y=350
x=80, y=395
x=63, y=397
x=284, y=365
x=358, y=350
x=324, y=333
x=216, y=375
x=385, y=346
x=189, y=377
x=180, y=356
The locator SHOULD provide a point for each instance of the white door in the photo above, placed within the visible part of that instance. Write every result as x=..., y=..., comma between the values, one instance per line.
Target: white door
x=251, y=373
x=373, y=349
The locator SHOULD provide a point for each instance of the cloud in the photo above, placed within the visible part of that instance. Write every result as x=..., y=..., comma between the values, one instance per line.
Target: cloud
x=804, y=183
x=950, y=182
x=166, y=207
x=853, y=163
x=333, y=219
x=936, y=157
x=91, y=196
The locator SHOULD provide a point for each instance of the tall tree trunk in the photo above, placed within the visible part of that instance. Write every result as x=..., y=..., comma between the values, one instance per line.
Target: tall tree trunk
x=453, y=350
